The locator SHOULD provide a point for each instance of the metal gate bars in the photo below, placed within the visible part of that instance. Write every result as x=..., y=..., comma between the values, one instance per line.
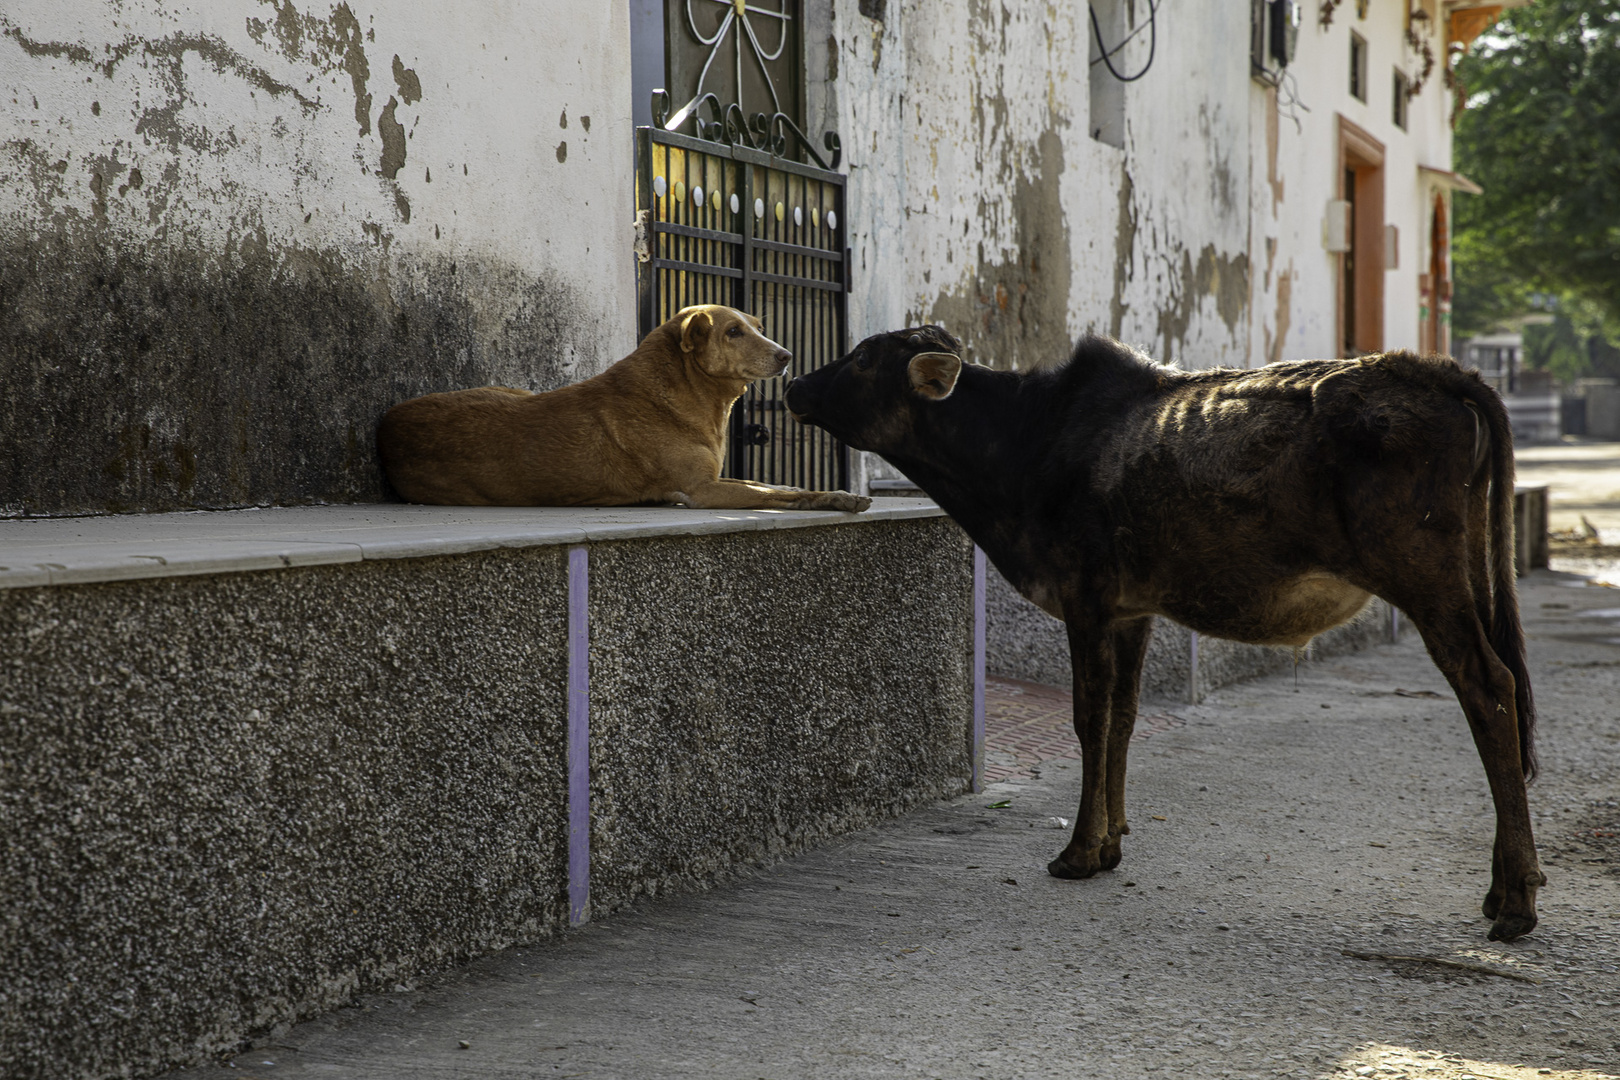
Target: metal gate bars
x=727, y=224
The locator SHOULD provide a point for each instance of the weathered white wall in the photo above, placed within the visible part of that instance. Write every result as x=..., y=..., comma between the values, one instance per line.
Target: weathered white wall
x=291, y=215
x=1288, y=203
x=980, y=200
x=345, y=234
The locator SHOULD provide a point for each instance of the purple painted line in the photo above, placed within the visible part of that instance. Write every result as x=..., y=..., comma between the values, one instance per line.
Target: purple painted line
x=1192, y=668
x=978, y=669
x=579, y=736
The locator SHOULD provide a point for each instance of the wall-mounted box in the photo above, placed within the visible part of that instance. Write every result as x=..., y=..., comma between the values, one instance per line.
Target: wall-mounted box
x=1336, y=225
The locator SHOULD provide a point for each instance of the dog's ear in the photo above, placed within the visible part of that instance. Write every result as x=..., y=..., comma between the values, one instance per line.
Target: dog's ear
x=695, y=331
x=933, y=374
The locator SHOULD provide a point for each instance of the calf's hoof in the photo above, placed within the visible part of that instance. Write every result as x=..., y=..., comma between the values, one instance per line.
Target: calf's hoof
x=1110, y=854
x=1492, y=905
x=1063, y=867
x=1060, y=869
x=1509, y=927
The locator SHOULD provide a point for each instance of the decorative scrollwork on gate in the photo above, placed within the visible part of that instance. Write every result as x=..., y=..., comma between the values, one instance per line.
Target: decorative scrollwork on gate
x=732, y=123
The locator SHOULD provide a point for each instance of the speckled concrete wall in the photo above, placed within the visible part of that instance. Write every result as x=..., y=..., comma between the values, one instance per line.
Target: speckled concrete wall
x=231, y=801
x=1024, y=642
x=752, y=693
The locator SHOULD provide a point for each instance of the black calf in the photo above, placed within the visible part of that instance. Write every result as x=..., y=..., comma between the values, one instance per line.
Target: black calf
x=1260, y=505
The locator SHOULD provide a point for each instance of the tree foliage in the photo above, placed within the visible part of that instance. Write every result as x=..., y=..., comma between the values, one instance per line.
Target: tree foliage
x=1541, y=134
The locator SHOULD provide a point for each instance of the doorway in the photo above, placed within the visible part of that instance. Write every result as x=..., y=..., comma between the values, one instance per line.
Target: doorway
x=1435, y=286
x=1361, y=266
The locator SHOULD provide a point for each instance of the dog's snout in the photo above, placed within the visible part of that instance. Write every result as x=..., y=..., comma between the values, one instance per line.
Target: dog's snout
x=783, y=359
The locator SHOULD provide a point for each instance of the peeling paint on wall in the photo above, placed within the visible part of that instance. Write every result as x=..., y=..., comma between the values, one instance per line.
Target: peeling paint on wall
x=1224, y=277
x=1124, y=247
x=1285, y=296
x=1015, y=314
x=1272, y=177
x=211, y=287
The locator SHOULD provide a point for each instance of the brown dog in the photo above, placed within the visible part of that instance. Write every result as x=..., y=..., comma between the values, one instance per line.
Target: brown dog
x=649, y=429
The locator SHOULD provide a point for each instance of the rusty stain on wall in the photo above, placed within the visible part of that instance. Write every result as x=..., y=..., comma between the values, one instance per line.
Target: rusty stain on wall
x=1124, y=247
x=410, y=87
x=333, y=44
x=1285, y=294
x=392, y=133
x=1015, y=314
x=1226, y=278
x=1272, y=178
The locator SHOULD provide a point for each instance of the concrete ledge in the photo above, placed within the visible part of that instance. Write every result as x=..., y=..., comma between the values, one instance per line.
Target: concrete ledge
x=233, y=800
x=1531, y=547
x=85, y=550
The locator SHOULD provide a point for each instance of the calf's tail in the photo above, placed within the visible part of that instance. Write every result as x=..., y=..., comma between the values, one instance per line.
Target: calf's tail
x=1506, y=632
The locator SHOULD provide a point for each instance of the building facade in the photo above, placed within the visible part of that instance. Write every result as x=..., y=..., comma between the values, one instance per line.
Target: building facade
x=232, y=235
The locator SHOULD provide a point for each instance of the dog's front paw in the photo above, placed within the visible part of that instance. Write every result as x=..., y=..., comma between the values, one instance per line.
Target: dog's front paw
x=843, y=500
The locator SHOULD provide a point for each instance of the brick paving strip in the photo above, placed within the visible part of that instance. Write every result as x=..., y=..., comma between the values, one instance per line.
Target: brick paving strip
x=1027, y=724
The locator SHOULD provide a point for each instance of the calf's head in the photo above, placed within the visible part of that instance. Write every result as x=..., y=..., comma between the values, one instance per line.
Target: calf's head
x=727, y=344
x=873, y=397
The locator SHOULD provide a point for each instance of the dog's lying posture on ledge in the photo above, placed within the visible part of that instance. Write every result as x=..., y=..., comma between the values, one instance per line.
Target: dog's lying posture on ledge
x=1263, y=506
x=649, y=429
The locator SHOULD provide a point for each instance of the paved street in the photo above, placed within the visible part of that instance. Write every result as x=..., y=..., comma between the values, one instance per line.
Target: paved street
x=1273, y=830
x=1585, y=480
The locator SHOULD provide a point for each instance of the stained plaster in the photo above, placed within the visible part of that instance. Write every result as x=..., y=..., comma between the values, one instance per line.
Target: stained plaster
x=231, y=236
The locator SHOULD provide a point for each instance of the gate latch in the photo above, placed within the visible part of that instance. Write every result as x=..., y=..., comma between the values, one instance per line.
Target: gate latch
x=643, y=227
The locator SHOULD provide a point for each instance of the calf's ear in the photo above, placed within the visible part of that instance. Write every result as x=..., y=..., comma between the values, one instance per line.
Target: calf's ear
x=695, y=331
x=933, y=374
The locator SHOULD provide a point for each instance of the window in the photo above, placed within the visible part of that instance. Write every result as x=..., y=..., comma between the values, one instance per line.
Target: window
x=1398, y=108
x=1358, y=67
x=1107, y=92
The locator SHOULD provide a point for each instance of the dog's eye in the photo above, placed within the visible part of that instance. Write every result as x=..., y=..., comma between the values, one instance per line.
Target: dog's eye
x=735, y=331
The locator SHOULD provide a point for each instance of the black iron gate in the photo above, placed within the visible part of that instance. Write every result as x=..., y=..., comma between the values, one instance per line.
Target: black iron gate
x=723, y=222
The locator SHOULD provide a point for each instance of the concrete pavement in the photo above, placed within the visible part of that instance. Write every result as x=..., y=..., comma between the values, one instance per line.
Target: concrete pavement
x=1273, y=829
x=1585, y=480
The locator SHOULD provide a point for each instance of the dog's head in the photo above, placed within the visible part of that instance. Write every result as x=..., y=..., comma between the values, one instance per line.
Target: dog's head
x=726, y=343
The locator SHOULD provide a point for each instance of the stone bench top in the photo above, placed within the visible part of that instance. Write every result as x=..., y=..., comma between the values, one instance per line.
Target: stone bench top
x=83, y=550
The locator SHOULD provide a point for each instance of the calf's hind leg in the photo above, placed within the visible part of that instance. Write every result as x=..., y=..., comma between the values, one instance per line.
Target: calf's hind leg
x=1091, y=651
x=1485, y=688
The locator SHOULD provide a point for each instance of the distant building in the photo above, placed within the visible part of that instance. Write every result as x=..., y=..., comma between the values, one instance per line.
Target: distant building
x=1497, y=358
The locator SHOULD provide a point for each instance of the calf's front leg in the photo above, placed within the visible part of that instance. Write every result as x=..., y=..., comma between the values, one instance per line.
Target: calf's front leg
x=1091, y=651
x=1130, y=642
